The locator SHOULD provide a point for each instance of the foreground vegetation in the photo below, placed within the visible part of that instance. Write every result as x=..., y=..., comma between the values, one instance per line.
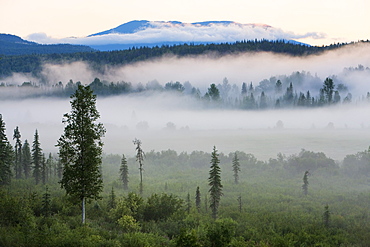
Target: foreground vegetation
x=267, y=207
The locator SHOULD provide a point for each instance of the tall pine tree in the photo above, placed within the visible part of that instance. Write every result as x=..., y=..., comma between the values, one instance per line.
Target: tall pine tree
x=18, y=153
x=80, y=148
x=140, y=158
x=6, y=156
x=36, y=158
x=123, y=172
x=197, y=199
x=236, y=168
x=26, y=159
x=214, y=181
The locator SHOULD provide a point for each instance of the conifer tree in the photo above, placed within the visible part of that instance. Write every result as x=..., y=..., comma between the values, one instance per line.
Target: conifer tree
x=17, y=153
x=236, y=168
x=214, y=181
x=305, y=183
x=326, y=216
x=244, y=89
x=123, y=171
x=112, y=199
x=26, y=159
x=50, y=165
x=140, y=158
x=36, y=158
x=46, y=203
x=188, y=203
x=197, y=199
x=6, y=156
x=80, y=148
x=240, y=203
x=44, y=170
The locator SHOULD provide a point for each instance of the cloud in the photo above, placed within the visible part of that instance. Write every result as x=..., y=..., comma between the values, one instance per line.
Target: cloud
x=169, y=32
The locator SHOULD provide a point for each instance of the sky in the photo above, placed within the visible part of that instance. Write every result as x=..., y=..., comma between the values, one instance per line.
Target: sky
x=334, y=20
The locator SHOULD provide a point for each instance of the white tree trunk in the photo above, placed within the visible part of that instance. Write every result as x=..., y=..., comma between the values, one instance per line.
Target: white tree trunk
x=83, y=210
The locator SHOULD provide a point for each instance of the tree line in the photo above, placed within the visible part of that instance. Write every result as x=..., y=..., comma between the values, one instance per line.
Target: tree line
x=32, y=63
x=275, y=93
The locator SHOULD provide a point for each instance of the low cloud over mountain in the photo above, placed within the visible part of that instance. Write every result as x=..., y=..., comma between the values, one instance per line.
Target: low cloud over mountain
x=152, y=33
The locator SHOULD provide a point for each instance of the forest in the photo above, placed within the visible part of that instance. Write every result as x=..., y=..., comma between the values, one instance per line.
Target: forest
x=32, y=63
x=169, y=198
x=277, y=92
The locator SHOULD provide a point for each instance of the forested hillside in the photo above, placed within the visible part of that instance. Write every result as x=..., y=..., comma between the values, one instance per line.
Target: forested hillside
x=14, y=45
x=98, y=60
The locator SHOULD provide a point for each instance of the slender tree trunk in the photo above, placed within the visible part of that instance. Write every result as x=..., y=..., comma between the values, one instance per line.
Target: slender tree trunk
x=83, y=211
x=141, y=179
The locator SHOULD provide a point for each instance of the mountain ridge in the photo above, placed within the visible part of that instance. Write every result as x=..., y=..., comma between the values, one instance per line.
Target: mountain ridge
x=14, y=45
x=141, y=26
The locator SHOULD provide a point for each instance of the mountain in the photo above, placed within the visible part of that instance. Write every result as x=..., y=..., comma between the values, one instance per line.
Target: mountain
x=14, y=45
x=141, y=33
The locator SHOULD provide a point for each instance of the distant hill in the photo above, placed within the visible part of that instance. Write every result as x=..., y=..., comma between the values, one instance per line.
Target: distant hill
x=14, y=45
x=32, y=63
x=140, y=26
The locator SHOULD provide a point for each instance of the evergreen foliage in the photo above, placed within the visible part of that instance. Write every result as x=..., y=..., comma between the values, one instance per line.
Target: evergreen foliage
x=140, y=158
x=80, y=148
x=236, y=168
x=37, y=158
x=305, y=183
x=6, y=155
x=32, y=63
x=18, y=153
x=123, y=171
x=26, y=159
x=214, y=181
x=46, y=203
x=326, y=216
x=198, y=199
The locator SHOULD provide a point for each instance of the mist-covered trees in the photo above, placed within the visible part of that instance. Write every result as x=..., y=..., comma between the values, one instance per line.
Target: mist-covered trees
x=214, y=181
x=80, y=148
x=140, y=159
x=6, y=155
x=305, y=183
x=37, y=158
x=123, y=172
x=198, y=199
x=236, y=168
x=26, y=159
x=18, y=153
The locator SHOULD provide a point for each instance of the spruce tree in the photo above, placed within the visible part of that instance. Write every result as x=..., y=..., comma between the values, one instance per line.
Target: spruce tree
x=140, y=158
x=80, y=148
x=240, y=203
x=305, y=183
x=46, y=203
x=326, y=216
x=44, y=170
x=18, y=153
x=36, y=158
x=236, y=168
x=50, y=165
x=26, y=159
x=6, y=156
x=188, y=203
x=112, y=200
x=123, y=171
x=214, y=181
x=197, y=199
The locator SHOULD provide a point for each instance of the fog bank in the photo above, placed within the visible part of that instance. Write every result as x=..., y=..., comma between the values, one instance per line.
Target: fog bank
x=168, y=122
